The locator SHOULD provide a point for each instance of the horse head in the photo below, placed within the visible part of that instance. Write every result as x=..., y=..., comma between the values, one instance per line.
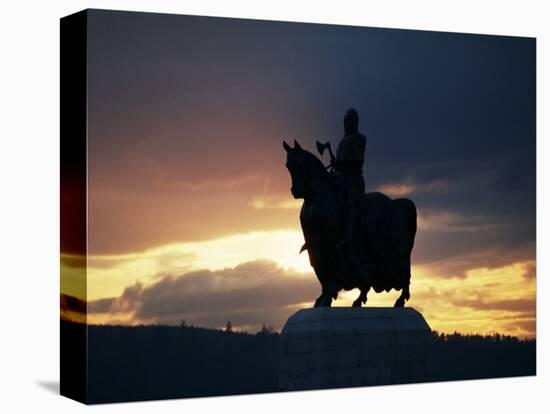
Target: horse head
x=307, y=172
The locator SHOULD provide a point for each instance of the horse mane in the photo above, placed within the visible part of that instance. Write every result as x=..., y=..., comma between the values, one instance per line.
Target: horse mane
x=316, y=164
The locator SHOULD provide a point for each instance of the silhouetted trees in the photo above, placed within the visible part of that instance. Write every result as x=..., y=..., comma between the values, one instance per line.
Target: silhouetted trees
x=266, y=330
x=490, y=338
x=152, y=362
x=228, y=327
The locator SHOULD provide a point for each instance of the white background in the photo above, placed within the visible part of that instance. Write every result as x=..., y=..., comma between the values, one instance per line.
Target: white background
x=29, y=205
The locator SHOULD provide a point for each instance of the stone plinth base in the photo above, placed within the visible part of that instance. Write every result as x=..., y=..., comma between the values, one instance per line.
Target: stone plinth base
x=345, y=347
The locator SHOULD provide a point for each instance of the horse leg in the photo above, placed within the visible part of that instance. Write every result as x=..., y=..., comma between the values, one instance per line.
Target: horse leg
x=405, y=295
x=362, y=297
x=329, y=292
x=325, y=299
x=318, y=300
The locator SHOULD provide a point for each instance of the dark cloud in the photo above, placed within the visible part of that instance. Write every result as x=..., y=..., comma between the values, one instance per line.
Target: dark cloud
x=127, y=302
x=105, y=305
x=249, y=294
x=528, y=325
x=75, y=261
x=72, y=308
x=203, y=104
x=455, y=263
x=530, y=271
x=72, y=304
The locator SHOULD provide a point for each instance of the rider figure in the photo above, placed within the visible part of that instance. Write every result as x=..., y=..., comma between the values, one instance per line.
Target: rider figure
x=350, y=157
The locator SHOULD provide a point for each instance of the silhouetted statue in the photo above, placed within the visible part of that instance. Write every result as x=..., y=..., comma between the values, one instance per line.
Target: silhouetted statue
x=348, y=168
x=353, y=239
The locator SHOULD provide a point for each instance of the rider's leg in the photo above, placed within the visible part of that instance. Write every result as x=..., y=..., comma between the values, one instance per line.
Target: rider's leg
x=350, y=251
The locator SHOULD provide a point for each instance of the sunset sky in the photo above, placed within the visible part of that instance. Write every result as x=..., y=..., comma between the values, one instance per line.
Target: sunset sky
x=190, y=213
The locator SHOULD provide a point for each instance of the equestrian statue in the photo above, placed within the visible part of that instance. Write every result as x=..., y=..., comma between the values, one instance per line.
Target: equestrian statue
x=353, y=239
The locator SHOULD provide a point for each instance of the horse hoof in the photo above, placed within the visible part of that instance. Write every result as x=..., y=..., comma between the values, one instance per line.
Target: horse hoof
x=319, y=301
x=356, y=304
x=325, y=301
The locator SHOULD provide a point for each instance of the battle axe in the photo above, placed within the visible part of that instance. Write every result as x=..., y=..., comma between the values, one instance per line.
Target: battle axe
x=321, y=149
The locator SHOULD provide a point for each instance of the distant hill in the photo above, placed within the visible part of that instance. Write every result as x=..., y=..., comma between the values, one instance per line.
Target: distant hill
x=157, y=362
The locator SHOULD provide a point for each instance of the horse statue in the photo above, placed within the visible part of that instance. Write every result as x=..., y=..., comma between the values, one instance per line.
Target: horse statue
x=387, y=229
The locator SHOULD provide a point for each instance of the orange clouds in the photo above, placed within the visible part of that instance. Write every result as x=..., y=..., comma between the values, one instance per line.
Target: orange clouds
x=126, y=220
x=409, y=187
x=274, y=202
x=260, y=277
x=486, y=300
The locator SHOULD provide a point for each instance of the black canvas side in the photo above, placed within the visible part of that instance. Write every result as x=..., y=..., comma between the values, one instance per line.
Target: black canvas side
x=73, y=179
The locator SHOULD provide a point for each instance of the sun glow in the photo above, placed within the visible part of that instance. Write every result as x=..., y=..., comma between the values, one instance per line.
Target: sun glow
x=109, y=275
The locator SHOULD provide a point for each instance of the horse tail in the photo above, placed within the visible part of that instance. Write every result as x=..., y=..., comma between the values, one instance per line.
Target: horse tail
x=408, y=209
x=412, y=222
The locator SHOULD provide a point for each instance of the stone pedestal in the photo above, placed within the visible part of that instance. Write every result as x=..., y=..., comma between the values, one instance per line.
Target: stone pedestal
x=345, y=347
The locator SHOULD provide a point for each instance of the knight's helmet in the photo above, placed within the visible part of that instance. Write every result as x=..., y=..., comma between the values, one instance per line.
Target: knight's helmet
x=351, y=122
